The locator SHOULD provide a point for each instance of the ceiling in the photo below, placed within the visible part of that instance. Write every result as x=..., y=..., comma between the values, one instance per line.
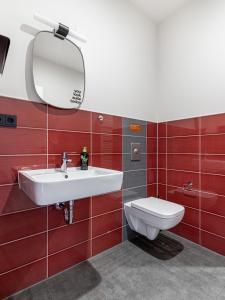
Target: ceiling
x=158, y=10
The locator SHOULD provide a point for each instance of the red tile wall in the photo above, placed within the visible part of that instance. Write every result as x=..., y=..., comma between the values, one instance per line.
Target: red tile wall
x=194, y=150
x=35, y=242
x=151, y=159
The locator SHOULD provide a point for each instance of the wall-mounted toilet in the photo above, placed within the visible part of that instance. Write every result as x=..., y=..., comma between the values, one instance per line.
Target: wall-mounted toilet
x=148, y=216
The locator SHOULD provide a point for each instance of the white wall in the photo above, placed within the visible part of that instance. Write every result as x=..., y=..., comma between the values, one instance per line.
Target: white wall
x=191, y=61
x=119, y=55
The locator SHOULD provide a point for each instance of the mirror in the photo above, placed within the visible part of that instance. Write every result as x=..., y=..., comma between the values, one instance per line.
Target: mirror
x=58, y=71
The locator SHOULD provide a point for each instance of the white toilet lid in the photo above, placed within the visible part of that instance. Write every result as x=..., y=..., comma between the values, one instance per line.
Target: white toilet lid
x=158, y=207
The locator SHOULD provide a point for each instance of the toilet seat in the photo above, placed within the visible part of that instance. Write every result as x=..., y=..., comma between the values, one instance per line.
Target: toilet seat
x=158, y=207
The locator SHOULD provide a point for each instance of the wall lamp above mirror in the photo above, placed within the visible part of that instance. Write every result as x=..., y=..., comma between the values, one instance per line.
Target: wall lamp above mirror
x=58, y=66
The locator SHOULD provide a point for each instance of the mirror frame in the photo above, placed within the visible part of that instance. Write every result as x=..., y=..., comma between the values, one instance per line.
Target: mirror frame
x=82, y=56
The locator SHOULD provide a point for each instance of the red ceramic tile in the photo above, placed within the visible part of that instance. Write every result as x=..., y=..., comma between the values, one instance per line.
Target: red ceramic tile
x=183, y=162
x=13, y=199
x=22, y=224
x=27, y=141
x=82, y=211
x=110, y=124
x=151, y=145
x=105, y=223
x=183, y=127
x=67, y=236
x=213, y=224
x=106, y=203
x=162, y=191
x=162, y=161
x=213, y=144
x=213, y=242
x=213, y=124
x=179, y=178
x=162, y=129
x=151, y=129
x=152, y=190
x=162, y=176
x=191, y=216
x=214, y=164
x=183, y=145
x=72, y=119
x=55, y=160
x=213, y=203
x=186, y=198
x=108, y=161
x=10, y=165
x=102, y=143
x=152, y=161
x=29, y=114
x=151, y=176
x=186, y=231
x=63, y=141
x=106, y=241
x=68, y=258
x=162, y=145
x=19, y=253
x=22, y=278
x=213, y=184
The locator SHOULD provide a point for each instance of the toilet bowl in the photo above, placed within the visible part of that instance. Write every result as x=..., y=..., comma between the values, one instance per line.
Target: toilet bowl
x=148, y=216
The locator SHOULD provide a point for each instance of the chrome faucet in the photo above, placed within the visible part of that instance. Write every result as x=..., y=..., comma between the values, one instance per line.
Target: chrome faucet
x=65, y=159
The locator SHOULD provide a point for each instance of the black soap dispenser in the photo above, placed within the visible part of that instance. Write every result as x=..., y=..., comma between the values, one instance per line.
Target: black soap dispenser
x=84, y=159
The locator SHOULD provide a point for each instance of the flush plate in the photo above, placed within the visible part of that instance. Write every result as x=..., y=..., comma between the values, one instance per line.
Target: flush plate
x=135, y=151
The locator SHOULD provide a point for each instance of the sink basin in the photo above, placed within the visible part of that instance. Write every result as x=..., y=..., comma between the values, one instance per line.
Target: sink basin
x=50, y=186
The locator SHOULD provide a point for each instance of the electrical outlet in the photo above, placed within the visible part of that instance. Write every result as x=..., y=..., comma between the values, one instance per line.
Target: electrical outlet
x=2, y=120
x=8, y=120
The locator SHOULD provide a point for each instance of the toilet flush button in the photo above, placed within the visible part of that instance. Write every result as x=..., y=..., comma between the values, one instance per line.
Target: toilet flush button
x=135, y=151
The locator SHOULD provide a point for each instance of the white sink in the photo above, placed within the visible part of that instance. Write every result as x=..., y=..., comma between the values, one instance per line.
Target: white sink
x=50, y=186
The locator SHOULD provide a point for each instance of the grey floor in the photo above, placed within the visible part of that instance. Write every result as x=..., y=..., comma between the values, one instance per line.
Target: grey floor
x=136, y=270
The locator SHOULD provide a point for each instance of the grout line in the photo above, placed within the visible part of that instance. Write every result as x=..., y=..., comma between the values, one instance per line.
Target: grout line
x=8, y=184
x=191, y=153
x=213, y=234
x=157, y=160
x=166, y=164
x=70, y=247
x=31, y=128
x=23, y=238
x=136, y=187
x=19, y=211
x=194, y=135
x=110, y=231
x=47, y=208
x=47, y=272
x=139, y=170
x=200, y=182
x=91, y=198
x=146, y=159
x=189, y=225
x=22, y=266
x=21, y=155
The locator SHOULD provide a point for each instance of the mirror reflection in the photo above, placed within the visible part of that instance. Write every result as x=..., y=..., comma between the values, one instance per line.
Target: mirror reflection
x=58, y=71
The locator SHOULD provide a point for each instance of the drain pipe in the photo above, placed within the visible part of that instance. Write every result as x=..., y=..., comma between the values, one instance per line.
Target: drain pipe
x=68, y=210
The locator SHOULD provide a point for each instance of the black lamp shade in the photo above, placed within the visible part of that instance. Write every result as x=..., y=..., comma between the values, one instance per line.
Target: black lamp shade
x=4, y=47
